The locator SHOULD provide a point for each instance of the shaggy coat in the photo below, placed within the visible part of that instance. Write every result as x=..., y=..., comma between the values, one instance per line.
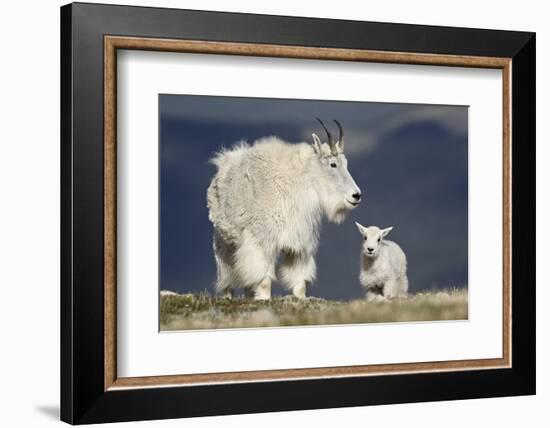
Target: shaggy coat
x=266, y=203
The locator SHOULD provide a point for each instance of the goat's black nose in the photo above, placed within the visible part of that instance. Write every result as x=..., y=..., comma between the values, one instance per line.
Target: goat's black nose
x=356, y=196
x=370, y=250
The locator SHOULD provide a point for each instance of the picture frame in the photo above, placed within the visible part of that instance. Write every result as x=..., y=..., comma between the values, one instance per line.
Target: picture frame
x=91, y=390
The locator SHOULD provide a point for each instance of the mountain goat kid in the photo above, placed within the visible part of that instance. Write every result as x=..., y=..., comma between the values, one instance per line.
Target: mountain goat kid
x=383, y=265
x=266, y=201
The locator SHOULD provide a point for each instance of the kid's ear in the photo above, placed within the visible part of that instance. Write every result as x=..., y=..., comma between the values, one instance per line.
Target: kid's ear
x=316, y=143
x=386, y=231
x=361, y=228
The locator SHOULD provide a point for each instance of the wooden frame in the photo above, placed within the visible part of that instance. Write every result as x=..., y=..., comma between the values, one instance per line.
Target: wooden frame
x=112, y=43
x=513, y=53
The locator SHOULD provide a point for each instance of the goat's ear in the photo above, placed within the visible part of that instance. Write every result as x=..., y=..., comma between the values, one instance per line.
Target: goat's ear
x=386, y=231
x=316, y=143
x=339, y=148
x=361, y=228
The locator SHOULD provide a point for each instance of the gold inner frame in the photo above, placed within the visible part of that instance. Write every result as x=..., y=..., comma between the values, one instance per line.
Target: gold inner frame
x=113, y=43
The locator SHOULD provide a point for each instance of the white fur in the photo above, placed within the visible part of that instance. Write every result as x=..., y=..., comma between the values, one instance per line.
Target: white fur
x=266, y=202
x=383, y=265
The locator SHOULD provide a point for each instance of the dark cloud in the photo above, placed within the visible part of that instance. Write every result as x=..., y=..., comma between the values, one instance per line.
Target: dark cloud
x=410, y=160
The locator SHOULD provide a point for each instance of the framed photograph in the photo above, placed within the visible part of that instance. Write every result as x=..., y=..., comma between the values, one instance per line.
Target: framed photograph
x=267, y=213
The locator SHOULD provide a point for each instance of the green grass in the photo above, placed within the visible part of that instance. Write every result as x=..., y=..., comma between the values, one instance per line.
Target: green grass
x=203, y=311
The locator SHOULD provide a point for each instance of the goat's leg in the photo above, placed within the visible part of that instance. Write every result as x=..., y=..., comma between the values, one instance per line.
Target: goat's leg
x=374, y=294
x=263, y=290
x=394, y=288
x=296, y=272
x=255, y=268
x=224, y=270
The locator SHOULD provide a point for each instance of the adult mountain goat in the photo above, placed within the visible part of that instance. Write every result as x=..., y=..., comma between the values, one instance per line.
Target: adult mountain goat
x=266, y=202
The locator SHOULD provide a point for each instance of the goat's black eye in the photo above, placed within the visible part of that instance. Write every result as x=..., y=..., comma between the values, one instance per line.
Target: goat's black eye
x=333, y=165
x=378, y=239
x=365, y=238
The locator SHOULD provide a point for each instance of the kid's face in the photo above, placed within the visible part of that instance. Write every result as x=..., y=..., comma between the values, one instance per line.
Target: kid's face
x=372, y=237
x=371, y=241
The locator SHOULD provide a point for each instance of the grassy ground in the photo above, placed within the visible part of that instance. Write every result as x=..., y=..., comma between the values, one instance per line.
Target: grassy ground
x=202, y=311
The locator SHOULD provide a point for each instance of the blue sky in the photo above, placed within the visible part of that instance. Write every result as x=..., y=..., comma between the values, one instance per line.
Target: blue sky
x=411, y=162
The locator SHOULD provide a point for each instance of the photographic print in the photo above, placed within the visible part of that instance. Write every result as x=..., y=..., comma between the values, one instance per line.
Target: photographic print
x=290, y=212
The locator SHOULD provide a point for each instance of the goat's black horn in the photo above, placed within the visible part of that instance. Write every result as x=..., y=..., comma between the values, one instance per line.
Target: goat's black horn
x=329, y=135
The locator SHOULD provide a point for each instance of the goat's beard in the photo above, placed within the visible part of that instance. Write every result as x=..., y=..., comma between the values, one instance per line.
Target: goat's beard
x=337, y=212
x=333, y=204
